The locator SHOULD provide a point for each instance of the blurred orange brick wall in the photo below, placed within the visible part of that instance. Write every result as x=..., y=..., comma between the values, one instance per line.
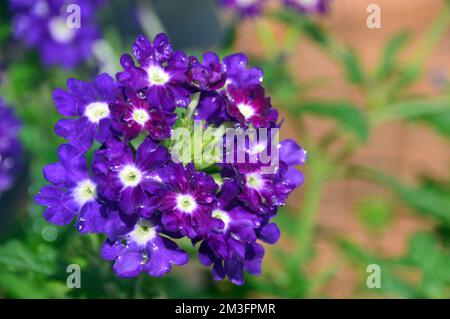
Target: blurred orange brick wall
x=402, y=149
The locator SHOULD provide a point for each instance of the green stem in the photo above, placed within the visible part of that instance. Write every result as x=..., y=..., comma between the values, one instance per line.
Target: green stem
x=137, y=287
x=266, y=36
x=434, y=34
x=316, y=178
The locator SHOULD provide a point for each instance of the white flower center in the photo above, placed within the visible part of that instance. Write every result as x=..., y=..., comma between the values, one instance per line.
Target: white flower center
x=59, y=30
x=41, y=8
x=143, y=232
x=130, y=176
x=246, y=110
x=223, y=216
x=96, y=111
x=246, y=3
x=85, y=191
x=307, y=3
x=140, y=116
x=255, y=181
x=157, y=76
x=186, y=203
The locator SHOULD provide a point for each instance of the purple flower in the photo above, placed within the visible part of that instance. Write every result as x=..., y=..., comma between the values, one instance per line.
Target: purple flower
x=51, y=27
x=140, y=247
x=206, y=75
x=87, y=106
x=127, y=179
x=212, y=106
x=246, y=8
x=284, y=181
x=266, y=186
x=72, y=194
x=161, y=76
x=10, y=147
x=136, y=115
x=291, y=154
x=186, y=205
x=138, y=197
x=257, y=188
x=308, y=6
x=238, y=74
x=233, y=268
x=251, y=106
x=233, y=248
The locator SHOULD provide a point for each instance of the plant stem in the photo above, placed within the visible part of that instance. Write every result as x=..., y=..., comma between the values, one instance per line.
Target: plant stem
x=317, y=176
x=266, y=36
x=434, y=34
x=137, y=287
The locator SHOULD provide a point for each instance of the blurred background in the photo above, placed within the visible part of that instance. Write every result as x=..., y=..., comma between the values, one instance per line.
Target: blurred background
x=371, y=106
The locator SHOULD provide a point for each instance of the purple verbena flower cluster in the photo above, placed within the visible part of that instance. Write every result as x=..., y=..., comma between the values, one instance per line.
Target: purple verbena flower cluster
x=135, y=193
x=10, y=147
x=63, y=31
x=251, y=8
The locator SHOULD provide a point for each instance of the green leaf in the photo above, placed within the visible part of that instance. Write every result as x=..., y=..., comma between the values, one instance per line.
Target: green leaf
x=352, y=66
x=25, y=286
x=4, y=32
x=389, y=60
x=422, y=251
x=411, y=110
x=16, y=255
x=348, y=116
x=331, y=45
x=440, y=122
x=428, y=198
x=375, y=213
x=434, y=112
x=22, y=77
x=279, y=81
x=390, y=283
x=426, y=253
